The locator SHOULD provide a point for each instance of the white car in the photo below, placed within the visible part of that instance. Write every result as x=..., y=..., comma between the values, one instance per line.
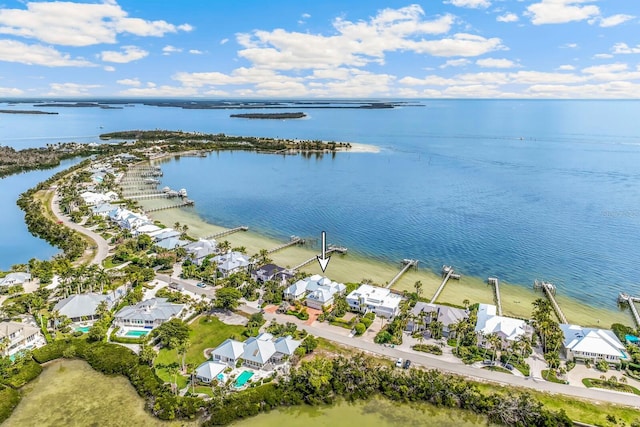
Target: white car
x=399, y=363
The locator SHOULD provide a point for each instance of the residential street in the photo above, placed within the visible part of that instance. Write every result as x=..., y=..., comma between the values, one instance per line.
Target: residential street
x=455, y=366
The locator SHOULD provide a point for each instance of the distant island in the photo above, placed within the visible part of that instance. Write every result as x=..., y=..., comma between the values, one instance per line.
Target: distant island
x=78, y=105
x=298, y=115
x=26, y=112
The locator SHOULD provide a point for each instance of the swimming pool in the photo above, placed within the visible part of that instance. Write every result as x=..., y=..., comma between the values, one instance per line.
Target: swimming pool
x=134, y=333
x=243, y=378
x=83, y=329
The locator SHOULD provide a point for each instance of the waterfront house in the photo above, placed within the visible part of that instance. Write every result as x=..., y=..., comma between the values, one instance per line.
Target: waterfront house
x=380, y=301
x=507, y=328
x=124, y=218
x=20, y=336
x=320, y=299
x=422, y=314
x=591, y=344
x=148, y=314
x=295, y=291
x=310, y=285
x=231, y=262
x=93, y=199
x=201, y=249
x=258, y=351
x=285, y=347
x=229, y=352
x=163, y=234
x=16, y=278
x=209, y=371
x=145, y=229
x=171, y=243
x=272, y=272
x=81, y=307
x=103, y=209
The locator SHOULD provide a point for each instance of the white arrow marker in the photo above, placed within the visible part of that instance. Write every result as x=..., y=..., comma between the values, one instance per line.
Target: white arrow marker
x=324, y=260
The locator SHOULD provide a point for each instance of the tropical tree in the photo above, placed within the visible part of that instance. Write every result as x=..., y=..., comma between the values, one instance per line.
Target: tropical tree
x=418, y=287
x=435, y=327
x=183, y=347
x=228, y=298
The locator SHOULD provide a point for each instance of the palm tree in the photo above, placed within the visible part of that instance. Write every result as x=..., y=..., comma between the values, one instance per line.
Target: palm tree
x=418, y=287
x=173, y=372
x=435, y=327
x=224, y=246
x=176, y=225
x=466, y=303
x=182, y=351
x=495, y=343
x=4, y=345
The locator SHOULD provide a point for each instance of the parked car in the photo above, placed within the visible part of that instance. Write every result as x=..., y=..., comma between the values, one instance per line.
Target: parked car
x=407, y=363
x=176, y=286
x=201, y=285
x=487, y=362
x=509, y=366
x=399, y=363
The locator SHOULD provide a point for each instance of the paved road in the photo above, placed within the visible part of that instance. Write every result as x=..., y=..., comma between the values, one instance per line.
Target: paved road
x=328, y=332
x=103, y=246
x=208, y=292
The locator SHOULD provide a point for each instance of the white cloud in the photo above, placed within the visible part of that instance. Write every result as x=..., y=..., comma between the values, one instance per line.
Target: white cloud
x=35, y=54
x=79, y=24
x=623, y=48
x=566, y=68
x=224, y=41
x=159, y=91
x=496, y=63
x=362, y=42
x=10, y=91
x=603, y=56
x=306, y=16
x=129, y=82
x=109, y=68
x=168, y=50
x=612, y=21
x=606, y=68
x=70, y=89
x=507, y=17
x=474, y=4
x=129, y=54
x=561, y=11
x=569, y=46
x=456, y=63
x=195, y=52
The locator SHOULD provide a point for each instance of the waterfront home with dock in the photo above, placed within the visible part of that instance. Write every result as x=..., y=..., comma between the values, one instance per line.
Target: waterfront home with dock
x=93, y=199
x=424, y=313
x=591, y=344
x=198, y=251
x=231, y=262
x=507, y=328
x=308, y=285
x=20, y=336
x=148, y=314
x=272, y=272
x=380, y=301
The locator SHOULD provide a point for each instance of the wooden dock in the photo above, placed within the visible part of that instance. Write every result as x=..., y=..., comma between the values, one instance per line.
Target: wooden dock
x=227, y=232
x=407, y=264
x=152, y=196
x=186, y=202
x=622, y=298
x=293, y=240
x=493, y=281
x=330, y=249
x=549, y=289
x=447, y=273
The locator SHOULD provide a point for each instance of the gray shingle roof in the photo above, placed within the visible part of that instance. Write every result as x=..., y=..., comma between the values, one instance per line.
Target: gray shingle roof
x=150, y=310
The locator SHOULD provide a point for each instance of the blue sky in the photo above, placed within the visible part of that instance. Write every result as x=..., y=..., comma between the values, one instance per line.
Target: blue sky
x=321, y=49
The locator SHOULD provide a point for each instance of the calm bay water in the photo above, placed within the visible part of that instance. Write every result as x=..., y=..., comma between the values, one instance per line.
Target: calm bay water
x=517, y=189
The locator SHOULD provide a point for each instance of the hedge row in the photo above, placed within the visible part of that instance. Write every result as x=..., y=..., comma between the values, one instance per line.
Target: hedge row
x=9, y=399
x=22, y=373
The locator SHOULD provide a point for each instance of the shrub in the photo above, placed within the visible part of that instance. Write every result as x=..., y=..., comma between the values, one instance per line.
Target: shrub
x=360, y=328
x=602, y=366
x=428, y=348
x=22, y=372
x=366, y=322
x=9, y=399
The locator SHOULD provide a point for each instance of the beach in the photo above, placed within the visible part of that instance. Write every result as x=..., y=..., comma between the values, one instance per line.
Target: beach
x=516, y=299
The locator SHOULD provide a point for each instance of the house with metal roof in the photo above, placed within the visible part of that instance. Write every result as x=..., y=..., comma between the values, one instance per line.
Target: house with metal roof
x=20, y=336
x=148, y=314
x=201, y=249
x=592, y=344
x=319, y=291
x=103, y=209
x=229, y=352
x=209, y=371
x=231, y=262
x=80, y=307
x=16, y=278
x=259, y=350
x=285, y=347
x=423, y=313
x=507, y=329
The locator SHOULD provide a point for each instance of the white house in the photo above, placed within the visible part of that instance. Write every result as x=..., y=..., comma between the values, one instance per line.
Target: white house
x=208, y=371
x=592, y=344
x=145, y=229
x=258, y=351
x=17, y=278
x=103, y=209
x=80, y=307
x=92, y=199
x=229, y=352
x=201, y=249
x=321, y=298
x=148, y=314
x=20, y=336
x=380, y=301
x=309, y=286
x=295, y=291
x=507, y=328
x=231, y=262
x=285, y=347
x=127, y=219
x=163, y=234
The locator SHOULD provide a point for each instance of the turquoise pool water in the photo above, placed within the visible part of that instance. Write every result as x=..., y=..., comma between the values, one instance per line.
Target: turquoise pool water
x=220, y=377
x=136, y=333
x=83, y=329
x=243, y=378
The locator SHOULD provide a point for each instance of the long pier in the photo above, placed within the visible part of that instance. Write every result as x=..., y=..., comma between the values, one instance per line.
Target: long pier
x=186, y=202
x=227, y=232
x=632, y=305
x=493, y=281
x=294, y=240
x=329, y=250
x=407, y=264
x=447, y=273
x=152, y=196
x=549, y=290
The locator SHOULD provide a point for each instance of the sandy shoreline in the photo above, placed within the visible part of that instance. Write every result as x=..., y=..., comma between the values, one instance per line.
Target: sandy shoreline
x=362, y=148
x=516, y=299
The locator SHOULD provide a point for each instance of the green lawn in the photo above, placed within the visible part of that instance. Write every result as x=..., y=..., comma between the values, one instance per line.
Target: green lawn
x=597, y=383
x=204, y=334
x=204, y=390
x=550, y=375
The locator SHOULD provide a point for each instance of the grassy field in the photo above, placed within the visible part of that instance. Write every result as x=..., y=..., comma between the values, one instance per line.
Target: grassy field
x=204, y=334
x=516, y=298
